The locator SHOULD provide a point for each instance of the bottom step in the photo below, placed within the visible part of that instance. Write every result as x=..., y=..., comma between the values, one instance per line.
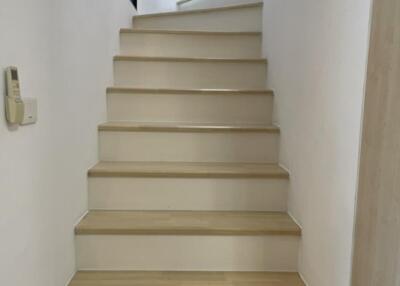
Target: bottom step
x=187, y=241
x=186, y=278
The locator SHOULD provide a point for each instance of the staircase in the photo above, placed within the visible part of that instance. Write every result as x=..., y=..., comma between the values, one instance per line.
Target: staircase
x=188, y=190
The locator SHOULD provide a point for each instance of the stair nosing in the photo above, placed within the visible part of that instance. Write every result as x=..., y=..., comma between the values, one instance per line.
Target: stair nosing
x=130, y=90
x=187, y=59
x=124, y=126
x=203, y=230
x=186, y=170
x=199, y=11
x=189, y=32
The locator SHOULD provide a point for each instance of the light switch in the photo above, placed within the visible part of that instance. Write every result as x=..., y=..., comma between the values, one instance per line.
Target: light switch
x=30, y=110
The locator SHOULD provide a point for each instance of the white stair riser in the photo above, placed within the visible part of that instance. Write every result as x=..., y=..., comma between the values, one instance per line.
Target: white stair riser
x=189, y=147
x=187, y=253
x=244, y=19
x=186, y=45
x=230, y=109
x=197, y=194
x=190, y=75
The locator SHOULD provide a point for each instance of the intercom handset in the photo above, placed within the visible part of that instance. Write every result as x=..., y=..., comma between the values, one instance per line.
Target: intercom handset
x=14, y=103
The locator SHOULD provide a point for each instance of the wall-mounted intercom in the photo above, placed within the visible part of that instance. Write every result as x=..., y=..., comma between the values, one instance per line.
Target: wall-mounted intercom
x=14, y=104
x=18, y=110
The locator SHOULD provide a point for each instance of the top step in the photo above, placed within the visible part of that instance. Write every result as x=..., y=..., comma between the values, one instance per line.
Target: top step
x=245, y=17
x=203, y=4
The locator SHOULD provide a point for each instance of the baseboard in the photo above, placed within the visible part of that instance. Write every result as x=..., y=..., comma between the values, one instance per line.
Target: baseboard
x=304, y=280
x=70, y=279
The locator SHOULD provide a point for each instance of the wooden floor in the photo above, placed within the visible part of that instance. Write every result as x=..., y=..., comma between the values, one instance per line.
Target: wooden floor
x=186, y=279
x=187, y=223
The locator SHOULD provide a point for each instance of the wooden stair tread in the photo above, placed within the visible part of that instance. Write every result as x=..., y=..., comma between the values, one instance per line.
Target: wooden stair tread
x=186, y=169
x=129, y=90
x=197, y=11
x=187, y=223
x=187, y=59
x=188, y=32
x=128, y=126
x=140, y=278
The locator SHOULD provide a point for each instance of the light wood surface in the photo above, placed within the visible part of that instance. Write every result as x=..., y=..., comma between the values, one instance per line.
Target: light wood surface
x=176, y=59
x=125, y=126
x=188, y=32
x=186, y=223
x=197, y=11
x=377, y=241
x=191, y=170
x=130, y=90
x=104, y=278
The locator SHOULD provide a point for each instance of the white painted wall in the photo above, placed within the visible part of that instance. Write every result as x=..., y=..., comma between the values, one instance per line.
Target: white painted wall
x=317, y=53
x=156, y=6
x=159, y=6
x=64, y=53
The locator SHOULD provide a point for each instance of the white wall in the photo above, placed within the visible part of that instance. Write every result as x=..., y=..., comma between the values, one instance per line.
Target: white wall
x=159, y=6
x=63, y=50
x=156, y=6
x=317, y=53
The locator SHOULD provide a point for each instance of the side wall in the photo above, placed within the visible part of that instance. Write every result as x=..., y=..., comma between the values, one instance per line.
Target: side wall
x=317, y=52
x=377, y=242
x=63, y=50
x=156, y=6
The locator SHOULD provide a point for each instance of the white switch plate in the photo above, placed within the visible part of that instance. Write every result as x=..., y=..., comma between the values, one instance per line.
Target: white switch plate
x=30, y=110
